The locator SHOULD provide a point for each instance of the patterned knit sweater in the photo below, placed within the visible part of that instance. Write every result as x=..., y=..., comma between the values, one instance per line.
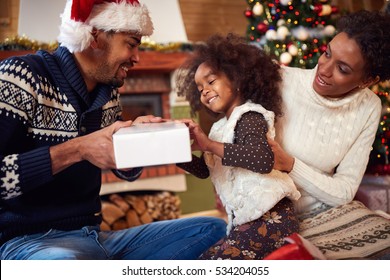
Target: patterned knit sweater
x=329, y=138
x=44, y=102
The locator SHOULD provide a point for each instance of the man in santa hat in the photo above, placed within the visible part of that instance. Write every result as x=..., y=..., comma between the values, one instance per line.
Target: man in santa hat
x=58, y=112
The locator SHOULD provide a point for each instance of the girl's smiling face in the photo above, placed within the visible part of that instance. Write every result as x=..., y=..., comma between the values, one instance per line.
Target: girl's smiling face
x=216, y=91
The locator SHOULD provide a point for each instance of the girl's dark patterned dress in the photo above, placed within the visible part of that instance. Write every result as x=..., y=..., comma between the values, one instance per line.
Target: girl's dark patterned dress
x=256, y=239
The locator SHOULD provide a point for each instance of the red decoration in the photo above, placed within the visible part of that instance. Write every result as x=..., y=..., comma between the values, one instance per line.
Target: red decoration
x=81, y=9
x=262, y=27
x=298, y=249
x=320, y=9
x=323, y=48
x=317, y=8
x=248, y=13
x=379, y=169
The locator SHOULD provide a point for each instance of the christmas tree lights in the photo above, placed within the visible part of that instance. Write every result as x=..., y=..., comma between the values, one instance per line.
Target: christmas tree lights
x=379, y=157
x=295, y=32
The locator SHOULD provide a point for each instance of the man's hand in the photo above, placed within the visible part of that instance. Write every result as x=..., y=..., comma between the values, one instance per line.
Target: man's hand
x=96, y=147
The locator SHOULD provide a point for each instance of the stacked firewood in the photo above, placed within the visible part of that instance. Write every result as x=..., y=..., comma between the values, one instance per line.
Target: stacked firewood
x=120, y=211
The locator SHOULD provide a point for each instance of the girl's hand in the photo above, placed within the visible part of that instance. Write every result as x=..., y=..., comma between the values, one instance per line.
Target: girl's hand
x=201, y=141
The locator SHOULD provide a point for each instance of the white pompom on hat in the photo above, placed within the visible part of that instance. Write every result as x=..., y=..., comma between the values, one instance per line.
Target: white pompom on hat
x=81, y=16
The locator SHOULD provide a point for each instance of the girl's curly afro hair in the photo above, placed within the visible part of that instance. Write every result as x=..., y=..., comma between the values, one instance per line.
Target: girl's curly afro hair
x=247, y=66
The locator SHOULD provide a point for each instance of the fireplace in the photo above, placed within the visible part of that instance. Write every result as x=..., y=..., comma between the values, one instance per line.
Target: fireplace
x=148, y=90
x=135, y=105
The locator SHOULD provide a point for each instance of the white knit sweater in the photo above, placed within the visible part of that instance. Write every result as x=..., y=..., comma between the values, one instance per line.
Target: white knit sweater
x=329, y=138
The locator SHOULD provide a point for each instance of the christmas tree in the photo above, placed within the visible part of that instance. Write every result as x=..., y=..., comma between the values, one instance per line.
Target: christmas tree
x=379, y=156
x=296, y=32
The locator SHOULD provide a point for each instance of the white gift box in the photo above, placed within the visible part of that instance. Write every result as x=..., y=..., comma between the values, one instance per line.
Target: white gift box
x=149, y=144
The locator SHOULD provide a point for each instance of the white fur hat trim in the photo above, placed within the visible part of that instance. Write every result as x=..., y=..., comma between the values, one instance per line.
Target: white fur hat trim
x=108, y=16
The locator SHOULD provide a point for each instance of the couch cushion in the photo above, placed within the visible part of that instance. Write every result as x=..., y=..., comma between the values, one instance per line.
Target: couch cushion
x=350, y=231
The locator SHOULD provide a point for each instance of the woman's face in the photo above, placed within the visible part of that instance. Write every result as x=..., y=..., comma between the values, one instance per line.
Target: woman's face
x=216, y=90
x=340, y=69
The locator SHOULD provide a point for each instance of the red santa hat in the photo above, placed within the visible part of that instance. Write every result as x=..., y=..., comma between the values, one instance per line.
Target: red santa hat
x=81, y=16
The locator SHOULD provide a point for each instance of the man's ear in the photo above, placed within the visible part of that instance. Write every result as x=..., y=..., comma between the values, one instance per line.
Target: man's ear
x=94, y=34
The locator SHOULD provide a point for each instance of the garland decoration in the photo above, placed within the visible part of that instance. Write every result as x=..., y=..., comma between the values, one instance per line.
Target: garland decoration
x=23, y=43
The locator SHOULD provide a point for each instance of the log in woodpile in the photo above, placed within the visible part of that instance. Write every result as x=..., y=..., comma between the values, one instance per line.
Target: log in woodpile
x=120, y=211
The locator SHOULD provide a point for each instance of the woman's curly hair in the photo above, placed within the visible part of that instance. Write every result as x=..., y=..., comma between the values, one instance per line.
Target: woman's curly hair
x=371, y=31
x=247, y=66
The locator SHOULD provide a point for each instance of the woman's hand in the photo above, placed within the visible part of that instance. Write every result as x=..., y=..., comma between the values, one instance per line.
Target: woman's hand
x=283, y=161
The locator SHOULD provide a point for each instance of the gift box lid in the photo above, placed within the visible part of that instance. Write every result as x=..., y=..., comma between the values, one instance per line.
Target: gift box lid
x=149, y=144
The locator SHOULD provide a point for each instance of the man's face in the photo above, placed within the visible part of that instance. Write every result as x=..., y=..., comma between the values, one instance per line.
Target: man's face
x=115, y=54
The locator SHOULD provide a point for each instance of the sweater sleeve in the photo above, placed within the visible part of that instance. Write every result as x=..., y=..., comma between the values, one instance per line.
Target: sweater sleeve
x=128, y=175
x=21, y=168
x=341, y=186
x=196, y=167
x=250, y=149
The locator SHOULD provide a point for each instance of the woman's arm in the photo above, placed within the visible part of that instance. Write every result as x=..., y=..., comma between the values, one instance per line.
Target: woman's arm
x=341, y=186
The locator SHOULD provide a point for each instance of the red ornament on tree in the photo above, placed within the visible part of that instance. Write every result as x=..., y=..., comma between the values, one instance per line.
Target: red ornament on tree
x=386, y=169
x=323, y=48
x=317, y=8
x=248, y=13
x=262, y=27
x=325, y=10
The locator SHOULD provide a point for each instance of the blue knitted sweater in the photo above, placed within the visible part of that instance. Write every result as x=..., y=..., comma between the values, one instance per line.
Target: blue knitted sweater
x=44, y=102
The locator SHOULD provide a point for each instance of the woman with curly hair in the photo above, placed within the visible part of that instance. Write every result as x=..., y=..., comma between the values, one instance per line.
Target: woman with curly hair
x=324, y=138
x=240, y=82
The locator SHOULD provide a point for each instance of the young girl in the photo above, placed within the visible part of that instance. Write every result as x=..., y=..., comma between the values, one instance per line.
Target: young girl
x=239, y=81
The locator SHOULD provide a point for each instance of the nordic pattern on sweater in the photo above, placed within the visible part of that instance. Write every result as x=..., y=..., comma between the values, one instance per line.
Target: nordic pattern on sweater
x=43, y=102
x=30, y=100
